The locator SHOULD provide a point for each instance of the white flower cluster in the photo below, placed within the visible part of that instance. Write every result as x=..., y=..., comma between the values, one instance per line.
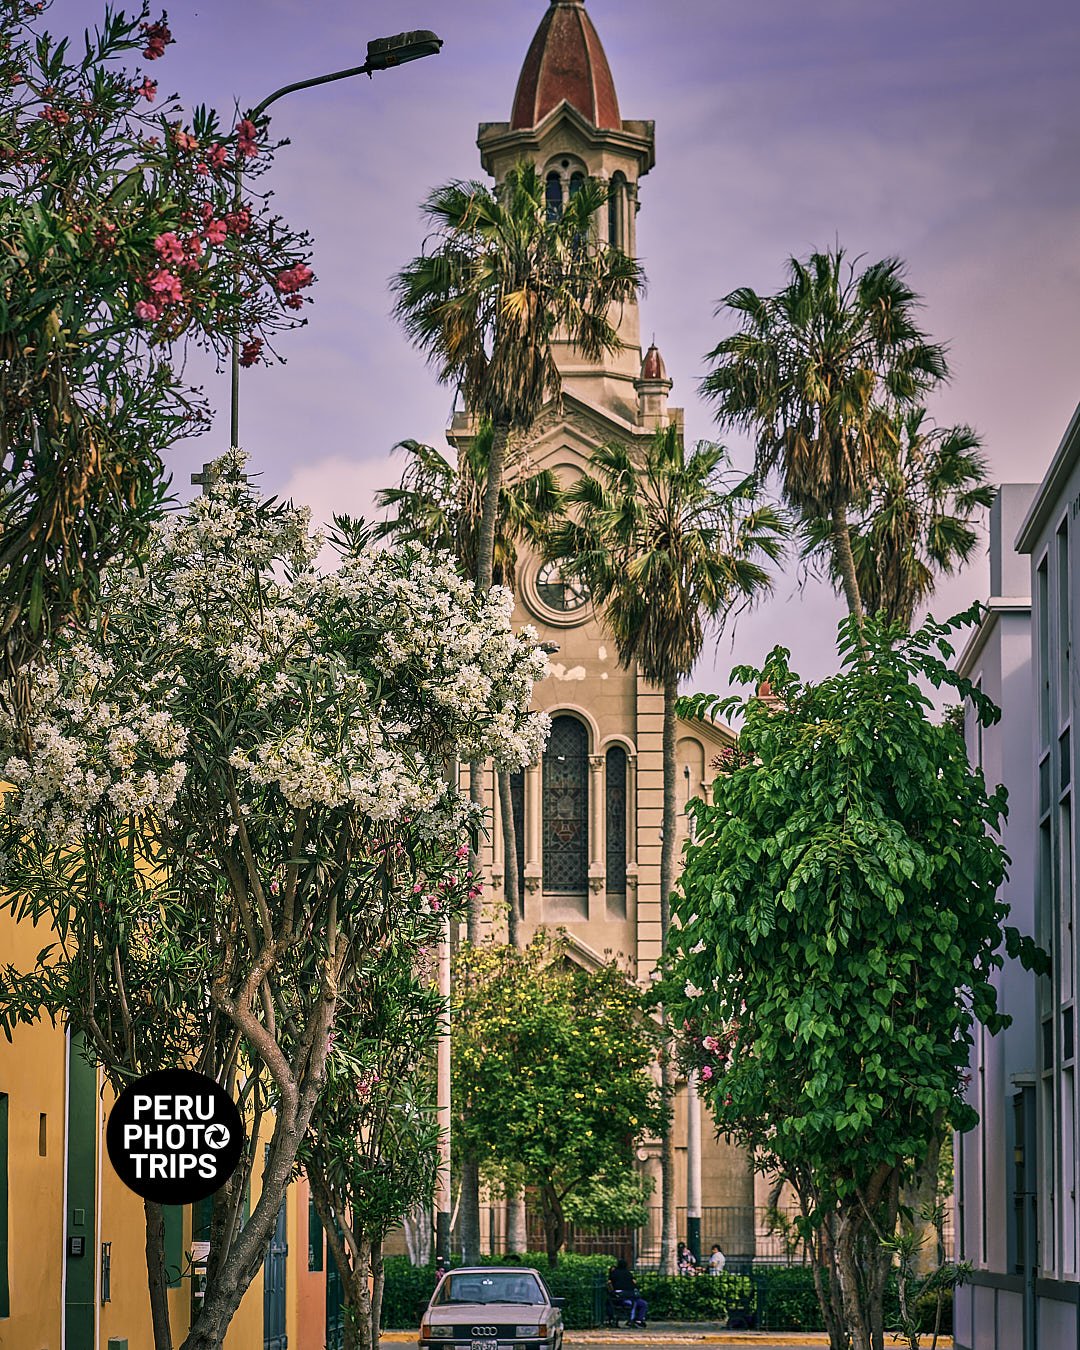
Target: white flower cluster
x=96, y=745
x=228, y=655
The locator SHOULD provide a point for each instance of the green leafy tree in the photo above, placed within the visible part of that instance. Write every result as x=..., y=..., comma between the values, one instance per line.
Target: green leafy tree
x=371, y=1154
x=231, y=795
x=810, y=371
x=839, y=923
x=916, y=517
x=670, y=542
x=551, y=1071
x=121, y=242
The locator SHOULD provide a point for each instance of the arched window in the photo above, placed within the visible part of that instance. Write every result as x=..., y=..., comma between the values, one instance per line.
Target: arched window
x=615, y=778
x=577, y=182
x=553, y=196
x=615, y=211
x=517, y=799
x=566, y=808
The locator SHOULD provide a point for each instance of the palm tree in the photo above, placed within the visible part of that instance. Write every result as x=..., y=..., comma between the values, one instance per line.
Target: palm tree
x=504, y=279
x=808, y=373
x=670, y=542
x=440, y=505
x=915, y=521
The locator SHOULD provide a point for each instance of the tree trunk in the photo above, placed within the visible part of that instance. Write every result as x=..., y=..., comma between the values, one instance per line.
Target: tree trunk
x=845, y=563
x=469, y=1210
x=554, y=1222
x=298, y=1092
x=669, y=1235
x=358, y=1323
x=517, y=1237
x=489, y=518
x=475, y=915
x=510, y=860
x=847, y=1244
x=378, y=1280
x=156, y=1276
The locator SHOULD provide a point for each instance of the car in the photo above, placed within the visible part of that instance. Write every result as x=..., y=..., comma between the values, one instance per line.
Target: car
x=492, y=1308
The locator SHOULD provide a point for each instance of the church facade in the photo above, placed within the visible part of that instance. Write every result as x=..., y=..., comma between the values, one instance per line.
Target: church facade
x=589, y=816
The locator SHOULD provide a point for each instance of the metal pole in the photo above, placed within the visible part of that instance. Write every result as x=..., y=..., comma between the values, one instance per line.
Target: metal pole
x=442, y=1189
x=693, y=1165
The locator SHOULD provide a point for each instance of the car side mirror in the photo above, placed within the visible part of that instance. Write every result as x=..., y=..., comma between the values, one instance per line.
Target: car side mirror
x=559, y=1302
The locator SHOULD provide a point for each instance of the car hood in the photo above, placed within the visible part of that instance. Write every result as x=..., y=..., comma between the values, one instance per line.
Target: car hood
x=487, y=1313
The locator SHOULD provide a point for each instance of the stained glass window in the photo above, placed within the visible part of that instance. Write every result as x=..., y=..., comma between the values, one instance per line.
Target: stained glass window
x=616, y=819
x=517, y=798
x=566, y=808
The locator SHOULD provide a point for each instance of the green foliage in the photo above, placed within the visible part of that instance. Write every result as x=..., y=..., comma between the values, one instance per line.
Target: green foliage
x=121, y=240
x=619, y=1201
x=695, y=1298
x=839, y=925
x=551, y=1070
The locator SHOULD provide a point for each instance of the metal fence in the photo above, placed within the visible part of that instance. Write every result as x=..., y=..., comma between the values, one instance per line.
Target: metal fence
x=746, y=1234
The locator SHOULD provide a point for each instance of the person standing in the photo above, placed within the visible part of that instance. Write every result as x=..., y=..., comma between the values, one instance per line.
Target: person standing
x=717, y=1260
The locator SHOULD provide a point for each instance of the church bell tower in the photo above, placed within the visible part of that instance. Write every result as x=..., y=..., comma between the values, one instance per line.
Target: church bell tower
x=566, y=120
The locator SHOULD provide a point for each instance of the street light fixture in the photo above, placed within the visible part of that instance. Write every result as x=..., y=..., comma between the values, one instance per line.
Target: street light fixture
x=382, y=54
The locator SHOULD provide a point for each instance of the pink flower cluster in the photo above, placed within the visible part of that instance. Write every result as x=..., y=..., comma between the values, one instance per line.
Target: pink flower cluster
x=291, y=281
x=158, y=37
x=246, y=144
x=251, y=351
x=146, y=90
x=57, y=116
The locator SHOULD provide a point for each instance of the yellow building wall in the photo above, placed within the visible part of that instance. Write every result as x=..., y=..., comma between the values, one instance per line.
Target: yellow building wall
x=33, y=1077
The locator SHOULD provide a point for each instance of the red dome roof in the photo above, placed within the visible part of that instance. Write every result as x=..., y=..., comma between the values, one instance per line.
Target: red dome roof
x=565, y=61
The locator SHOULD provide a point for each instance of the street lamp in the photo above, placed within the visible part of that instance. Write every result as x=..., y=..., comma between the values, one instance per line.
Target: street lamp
x=382, y=54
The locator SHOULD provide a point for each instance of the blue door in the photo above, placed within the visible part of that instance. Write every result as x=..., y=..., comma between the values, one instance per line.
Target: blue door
x=274, y=1269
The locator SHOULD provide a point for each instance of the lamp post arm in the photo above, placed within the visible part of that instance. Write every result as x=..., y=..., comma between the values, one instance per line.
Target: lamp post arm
x=260, y=108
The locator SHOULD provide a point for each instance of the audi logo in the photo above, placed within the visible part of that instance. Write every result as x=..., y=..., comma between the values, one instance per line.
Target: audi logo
x=485, y=1331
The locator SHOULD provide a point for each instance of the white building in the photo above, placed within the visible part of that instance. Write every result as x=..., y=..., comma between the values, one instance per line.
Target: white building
x=1018, y=1220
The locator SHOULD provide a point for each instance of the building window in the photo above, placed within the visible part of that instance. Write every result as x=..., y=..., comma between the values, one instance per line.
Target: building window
x=1042, y=620
x=615, y=767
x=566, y=808
x=314, y=1236
x=553, y=196
x=615, y=211
x=517, y=802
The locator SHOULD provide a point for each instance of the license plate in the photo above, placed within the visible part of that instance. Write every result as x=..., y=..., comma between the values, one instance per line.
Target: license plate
x=485, y=1345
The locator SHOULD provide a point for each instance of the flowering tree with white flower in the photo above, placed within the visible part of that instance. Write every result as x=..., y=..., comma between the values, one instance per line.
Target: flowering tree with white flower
x=122, y=240
x=230, y=797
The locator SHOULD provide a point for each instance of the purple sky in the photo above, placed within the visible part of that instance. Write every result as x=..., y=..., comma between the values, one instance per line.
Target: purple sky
x=945, y=131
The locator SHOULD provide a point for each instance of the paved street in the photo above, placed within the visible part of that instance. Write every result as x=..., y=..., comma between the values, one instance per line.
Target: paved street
x=681, y=1338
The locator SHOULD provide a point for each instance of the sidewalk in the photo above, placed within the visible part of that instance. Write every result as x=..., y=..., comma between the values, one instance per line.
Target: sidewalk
x=681, y=1333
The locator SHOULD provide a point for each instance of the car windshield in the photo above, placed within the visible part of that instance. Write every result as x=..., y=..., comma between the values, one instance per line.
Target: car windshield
x=500, y=1286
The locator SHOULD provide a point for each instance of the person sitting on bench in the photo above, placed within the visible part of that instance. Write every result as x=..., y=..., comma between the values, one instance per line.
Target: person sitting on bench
x=625, y=1293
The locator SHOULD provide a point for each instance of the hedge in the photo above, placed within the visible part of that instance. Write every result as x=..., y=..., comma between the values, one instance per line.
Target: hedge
x=782, y=1295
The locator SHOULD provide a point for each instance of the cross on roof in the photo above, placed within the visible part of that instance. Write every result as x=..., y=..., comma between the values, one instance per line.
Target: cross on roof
x=210, y=474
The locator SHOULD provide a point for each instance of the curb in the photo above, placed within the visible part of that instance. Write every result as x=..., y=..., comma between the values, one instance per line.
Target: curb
x=785, y=1338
